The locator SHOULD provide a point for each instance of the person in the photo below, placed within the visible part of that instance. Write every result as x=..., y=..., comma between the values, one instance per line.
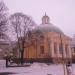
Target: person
x=6, y=61
x=69, y=68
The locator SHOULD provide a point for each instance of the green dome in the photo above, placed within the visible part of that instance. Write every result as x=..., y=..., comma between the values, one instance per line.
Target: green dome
x=48, y=28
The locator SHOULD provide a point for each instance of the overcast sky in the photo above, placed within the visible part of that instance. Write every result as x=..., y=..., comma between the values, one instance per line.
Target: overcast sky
x=61, y=12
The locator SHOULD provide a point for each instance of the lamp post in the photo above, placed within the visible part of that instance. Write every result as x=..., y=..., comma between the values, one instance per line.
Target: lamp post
x=63, y=61
x=67, y=65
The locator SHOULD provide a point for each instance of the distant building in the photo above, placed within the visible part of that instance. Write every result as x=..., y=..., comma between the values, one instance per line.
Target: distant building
x=4, y=48
x=52, y=45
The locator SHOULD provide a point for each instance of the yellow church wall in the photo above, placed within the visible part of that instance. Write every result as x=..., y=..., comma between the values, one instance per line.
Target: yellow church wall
x=49, y=39
x=65, y=41
x=55, y=37
x=26, y=53
x=30, y=52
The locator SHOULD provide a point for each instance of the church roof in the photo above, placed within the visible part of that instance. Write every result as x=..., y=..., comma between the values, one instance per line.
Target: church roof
x=46, y=26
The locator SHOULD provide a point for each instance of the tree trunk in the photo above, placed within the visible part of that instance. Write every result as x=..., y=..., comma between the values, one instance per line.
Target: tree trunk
x=22, y=53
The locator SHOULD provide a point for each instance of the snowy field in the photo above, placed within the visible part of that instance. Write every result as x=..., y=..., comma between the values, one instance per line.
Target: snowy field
x=34, y=69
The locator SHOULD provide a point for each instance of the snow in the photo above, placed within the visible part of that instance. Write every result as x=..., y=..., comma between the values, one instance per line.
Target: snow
x=2, y=63
x=35, y=69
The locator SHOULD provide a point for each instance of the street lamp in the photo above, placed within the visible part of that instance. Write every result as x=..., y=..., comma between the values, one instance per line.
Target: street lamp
x=64, y=63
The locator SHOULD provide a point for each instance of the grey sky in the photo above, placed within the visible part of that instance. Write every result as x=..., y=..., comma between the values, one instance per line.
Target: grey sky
x=61, y=12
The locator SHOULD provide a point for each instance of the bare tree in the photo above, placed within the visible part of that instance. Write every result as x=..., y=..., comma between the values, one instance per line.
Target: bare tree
x=23, y=26
x=3, y=19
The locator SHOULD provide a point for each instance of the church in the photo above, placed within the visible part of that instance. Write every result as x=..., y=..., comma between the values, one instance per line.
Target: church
x=52, y=46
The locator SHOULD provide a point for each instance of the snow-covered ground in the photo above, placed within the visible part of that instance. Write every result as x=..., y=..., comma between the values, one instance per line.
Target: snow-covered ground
x=35, y=69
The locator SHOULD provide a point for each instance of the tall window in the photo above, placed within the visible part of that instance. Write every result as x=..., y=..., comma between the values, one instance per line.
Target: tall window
x=41, y=39
x=49, y=46
x=55, y=47
x=60, y=48
x=66, y=49
x=42, y=49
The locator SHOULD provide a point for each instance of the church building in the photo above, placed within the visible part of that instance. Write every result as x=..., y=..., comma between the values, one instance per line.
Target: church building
x=52, y=45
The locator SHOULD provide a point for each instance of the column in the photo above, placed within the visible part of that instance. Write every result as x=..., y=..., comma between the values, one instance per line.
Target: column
x=52, y=50
x=58, y=54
